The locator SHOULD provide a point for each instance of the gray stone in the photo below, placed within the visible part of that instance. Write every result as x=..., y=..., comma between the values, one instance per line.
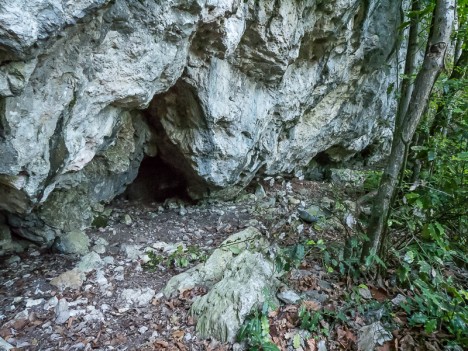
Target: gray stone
x=365, y=293
x=316, y=295
x=398, y=300
x=89, y=262
x=62, y=313
x=137, y=297
x=348, y=177
x=211, y=271
x=100, y=249
x=13, y=259
x=238, y=275
x=133, y=252
x=51, y=303
x=370, y=336
x=74, y=242
x=127, y=219
x=72, y=279
x=4, y=346
x=321, y=346
x=289, y=297
x=260, y=192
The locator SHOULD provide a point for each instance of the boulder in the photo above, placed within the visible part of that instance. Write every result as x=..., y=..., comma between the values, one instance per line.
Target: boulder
x=240, y=276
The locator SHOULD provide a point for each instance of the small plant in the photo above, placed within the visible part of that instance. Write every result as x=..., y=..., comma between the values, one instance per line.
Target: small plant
x=256, y=331
x=180, y=258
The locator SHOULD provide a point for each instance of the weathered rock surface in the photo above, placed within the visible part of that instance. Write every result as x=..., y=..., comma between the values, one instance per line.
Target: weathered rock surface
x=212, y=271
x=75, y=242
x=233, y=88
x=240, y=276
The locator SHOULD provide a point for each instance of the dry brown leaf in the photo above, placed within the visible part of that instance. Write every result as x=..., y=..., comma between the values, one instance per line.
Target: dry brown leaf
x=385, y=347
x=161, y=343
x=190, y=320
x=181, y=346
x=312, y=305
x=178, y=335
x=407, y=343
x=378, y=294
x=311, y=344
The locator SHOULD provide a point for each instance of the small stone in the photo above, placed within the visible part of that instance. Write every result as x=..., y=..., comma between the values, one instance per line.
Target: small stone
x=22, y=315
x=90, y=262
x=13, y=259
x=32, y=302
x=398, y=300
x=101, y=241
x=325, y=285
x=142, y=330
x=321, y=346
x=138, y=297
x=74, y=242
x=51, y=303
x=372, y=335
x=188, y=337
x=127, y=219
x=260, y=192
x=108, y=260
x=289, y=297
x=100, y=249
x=62, y=312
x=4, y=345
x=316, y=295
x=132, y=251
x=182, y=211
x=293, y=201
x=365, y=293
x=311, y=214
x=72, y=279
x=101, y=279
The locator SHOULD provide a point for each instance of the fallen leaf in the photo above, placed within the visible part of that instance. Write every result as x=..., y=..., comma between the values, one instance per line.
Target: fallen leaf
x=312, y=305
x=312, y=344
x=378, y=294
x=178, y=335
x=161, y=343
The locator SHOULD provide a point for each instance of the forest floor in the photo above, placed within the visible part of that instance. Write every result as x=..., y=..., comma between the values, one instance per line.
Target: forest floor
x=117, y=303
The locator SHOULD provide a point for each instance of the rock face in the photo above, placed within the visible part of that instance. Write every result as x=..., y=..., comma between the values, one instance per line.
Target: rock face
x=219, y=89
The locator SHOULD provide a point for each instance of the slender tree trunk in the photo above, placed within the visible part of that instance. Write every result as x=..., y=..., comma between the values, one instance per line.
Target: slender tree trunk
x=441, y=28
x=410, y=66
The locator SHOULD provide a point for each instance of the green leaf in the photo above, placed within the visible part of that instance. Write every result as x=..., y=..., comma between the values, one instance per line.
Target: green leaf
x=430, y=325
x=418, y=318
x=297, y=341
x=269, y=346
x=409, y=257
x=425, y=267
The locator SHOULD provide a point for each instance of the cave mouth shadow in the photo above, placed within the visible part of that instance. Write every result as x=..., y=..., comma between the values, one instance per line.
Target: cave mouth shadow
x=156, y=181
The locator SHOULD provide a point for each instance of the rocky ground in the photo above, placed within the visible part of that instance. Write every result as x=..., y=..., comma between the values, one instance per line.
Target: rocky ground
x=108, y=296
x=107, y=300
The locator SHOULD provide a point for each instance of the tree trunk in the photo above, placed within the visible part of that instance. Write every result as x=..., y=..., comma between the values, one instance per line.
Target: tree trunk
x=441, y=28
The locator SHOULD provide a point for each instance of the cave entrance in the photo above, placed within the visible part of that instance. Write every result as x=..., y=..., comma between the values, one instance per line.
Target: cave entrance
x=156, y=181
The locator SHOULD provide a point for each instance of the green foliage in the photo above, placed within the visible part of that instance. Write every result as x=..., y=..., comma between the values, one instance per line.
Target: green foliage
x=179, y=258
x=256, y=331
x=438, y=301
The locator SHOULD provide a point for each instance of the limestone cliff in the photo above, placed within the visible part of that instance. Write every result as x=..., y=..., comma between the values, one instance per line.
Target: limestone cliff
x=219, y=89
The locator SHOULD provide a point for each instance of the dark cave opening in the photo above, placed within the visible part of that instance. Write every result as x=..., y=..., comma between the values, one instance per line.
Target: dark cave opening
x=156, y=181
